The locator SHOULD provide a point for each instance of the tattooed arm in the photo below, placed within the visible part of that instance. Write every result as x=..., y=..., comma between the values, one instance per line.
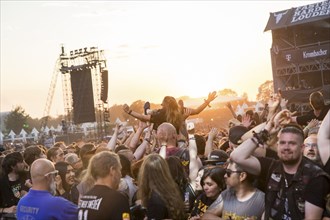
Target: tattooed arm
x=215, y=209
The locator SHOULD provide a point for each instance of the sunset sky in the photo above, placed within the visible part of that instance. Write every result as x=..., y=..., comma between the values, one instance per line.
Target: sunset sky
x=153, y=48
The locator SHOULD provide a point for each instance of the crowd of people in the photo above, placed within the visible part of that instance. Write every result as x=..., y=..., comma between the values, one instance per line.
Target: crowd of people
x=265, y=165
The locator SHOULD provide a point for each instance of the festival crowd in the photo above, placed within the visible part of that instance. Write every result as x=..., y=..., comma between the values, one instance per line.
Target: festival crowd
x=265, y=165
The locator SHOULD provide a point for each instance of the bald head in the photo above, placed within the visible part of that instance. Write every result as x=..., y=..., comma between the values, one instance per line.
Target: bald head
x=40, y=167
x=166, y=133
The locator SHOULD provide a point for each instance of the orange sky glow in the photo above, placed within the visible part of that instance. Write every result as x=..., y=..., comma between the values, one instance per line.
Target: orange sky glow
x=153, y=48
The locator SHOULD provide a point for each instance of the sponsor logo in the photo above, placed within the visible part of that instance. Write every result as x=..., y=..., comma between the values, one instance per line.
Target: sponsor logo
x=279, y=16
x=288, y=57
x=314, y=53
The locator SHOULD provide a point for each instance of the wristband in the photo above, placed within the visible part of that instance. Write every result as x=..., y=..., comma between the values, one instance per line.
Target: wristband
x=261, y=137
x=129, y=112
x=147, y=140
x=254, y=140
x=207, y=102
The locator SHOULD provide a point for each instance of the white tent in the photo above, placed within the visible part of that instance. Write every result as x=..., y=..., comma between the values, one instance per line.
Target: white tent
x=12, y=135
x=23, y=134
x=34, y=133
x=245, y=106
x=46, y=130
x=240, y=111
x=259, y=107
x=1, y=137
x=59, y=128
x=52, y=128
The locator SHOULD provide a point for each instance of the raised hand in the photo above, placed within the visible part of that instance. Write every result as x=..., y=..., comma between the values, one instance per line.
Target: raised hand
x=126, y=108
x=211, y=96
x=246, y=121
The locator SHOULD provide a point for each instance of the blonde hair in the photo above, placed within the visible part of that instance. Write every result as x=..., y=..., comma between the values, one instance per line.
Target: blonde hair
x=155, y=176
x=99, y=166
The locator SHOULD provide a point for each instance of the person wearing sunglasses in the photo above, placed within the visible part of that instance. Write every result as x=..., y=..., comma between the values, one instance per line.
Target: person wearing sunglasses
x=40, y=202
x=241, y=200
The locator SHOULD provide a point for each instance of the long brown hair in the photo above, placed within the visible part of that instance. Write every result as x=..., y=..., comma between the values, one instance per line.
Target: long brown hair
x=155, y=176
x=173, y=114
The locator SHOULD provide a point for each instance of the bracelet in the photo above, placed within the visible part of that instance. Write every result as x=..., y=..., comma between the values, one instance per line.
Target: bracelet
x=254, y=140
x=207, y=102
x=129, y=112
x=261, y=137
x=147, y=140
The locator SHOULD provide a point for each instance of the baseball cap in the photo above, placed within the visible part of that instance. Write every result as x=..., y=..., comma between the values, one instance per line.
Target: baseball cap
x=235, y=134
x=217, y=156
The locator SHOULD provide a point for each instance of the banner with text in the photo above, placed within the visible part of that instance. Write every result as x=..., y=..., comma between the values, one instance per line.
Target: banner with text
x=283, y=58
x=299, y=15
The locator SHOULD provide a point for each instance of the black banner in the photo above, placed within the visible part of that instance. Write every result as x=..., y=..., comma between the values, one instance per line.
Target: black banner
x=299, y=15
x=283, y=58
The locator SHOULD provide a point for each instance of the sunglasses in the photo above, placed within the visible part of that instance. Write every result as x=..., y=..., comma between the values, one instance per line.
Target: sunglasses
x=55, y=172
x=229, y=172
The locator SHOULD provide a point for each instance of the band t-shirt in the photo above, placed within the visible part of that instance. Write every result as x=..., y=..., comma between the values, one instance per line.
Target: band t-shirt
x=234, y=209
x=102, y=202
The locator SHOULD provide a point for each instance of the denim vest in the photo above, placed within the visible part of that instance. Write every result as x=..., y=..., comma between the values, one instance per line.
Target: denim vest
x=278, y=187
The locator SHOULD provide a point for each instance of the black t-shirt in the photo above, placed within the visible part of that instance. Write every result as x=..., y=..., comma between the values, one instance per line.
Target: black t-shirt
x=101, y=202
x=10, y=191
x=156, y=207
x=201, y=205
x=158, y=118
x=271, y=154
x=304, y=119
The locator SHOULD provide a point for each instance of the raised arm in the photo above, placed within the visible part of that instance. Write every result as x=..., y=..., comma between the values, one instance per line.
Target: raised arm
x=194, y=161
x=141, y=150
x=323, y=139
x=113, y=141
x=209, y=143
x=242, y=155
x=134, y=114
x=136, y=137
x=210, y=98
x=230, y=107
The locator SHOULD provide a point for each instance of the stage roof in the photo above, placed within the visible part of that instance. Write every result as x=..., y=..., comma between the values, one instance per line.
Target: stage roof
x=299, y=15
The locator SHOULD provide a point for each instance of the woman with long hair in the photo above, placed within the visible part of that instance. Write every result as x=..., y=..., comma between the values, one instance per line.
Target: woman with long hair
x=159, y=193
x=66, y=186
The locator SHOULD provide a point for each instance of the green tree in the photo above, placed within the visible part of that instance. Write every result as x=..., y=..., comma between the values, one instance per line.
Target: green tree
x=227, y=92
x=16, y=120
x=265, y=91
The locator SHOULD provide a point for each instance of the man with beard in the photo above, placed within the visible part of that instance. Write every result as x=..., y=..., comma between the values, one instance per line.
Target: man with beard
x=12, y=182
x=103, y=201
x=295, y=185
x=40, y=203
